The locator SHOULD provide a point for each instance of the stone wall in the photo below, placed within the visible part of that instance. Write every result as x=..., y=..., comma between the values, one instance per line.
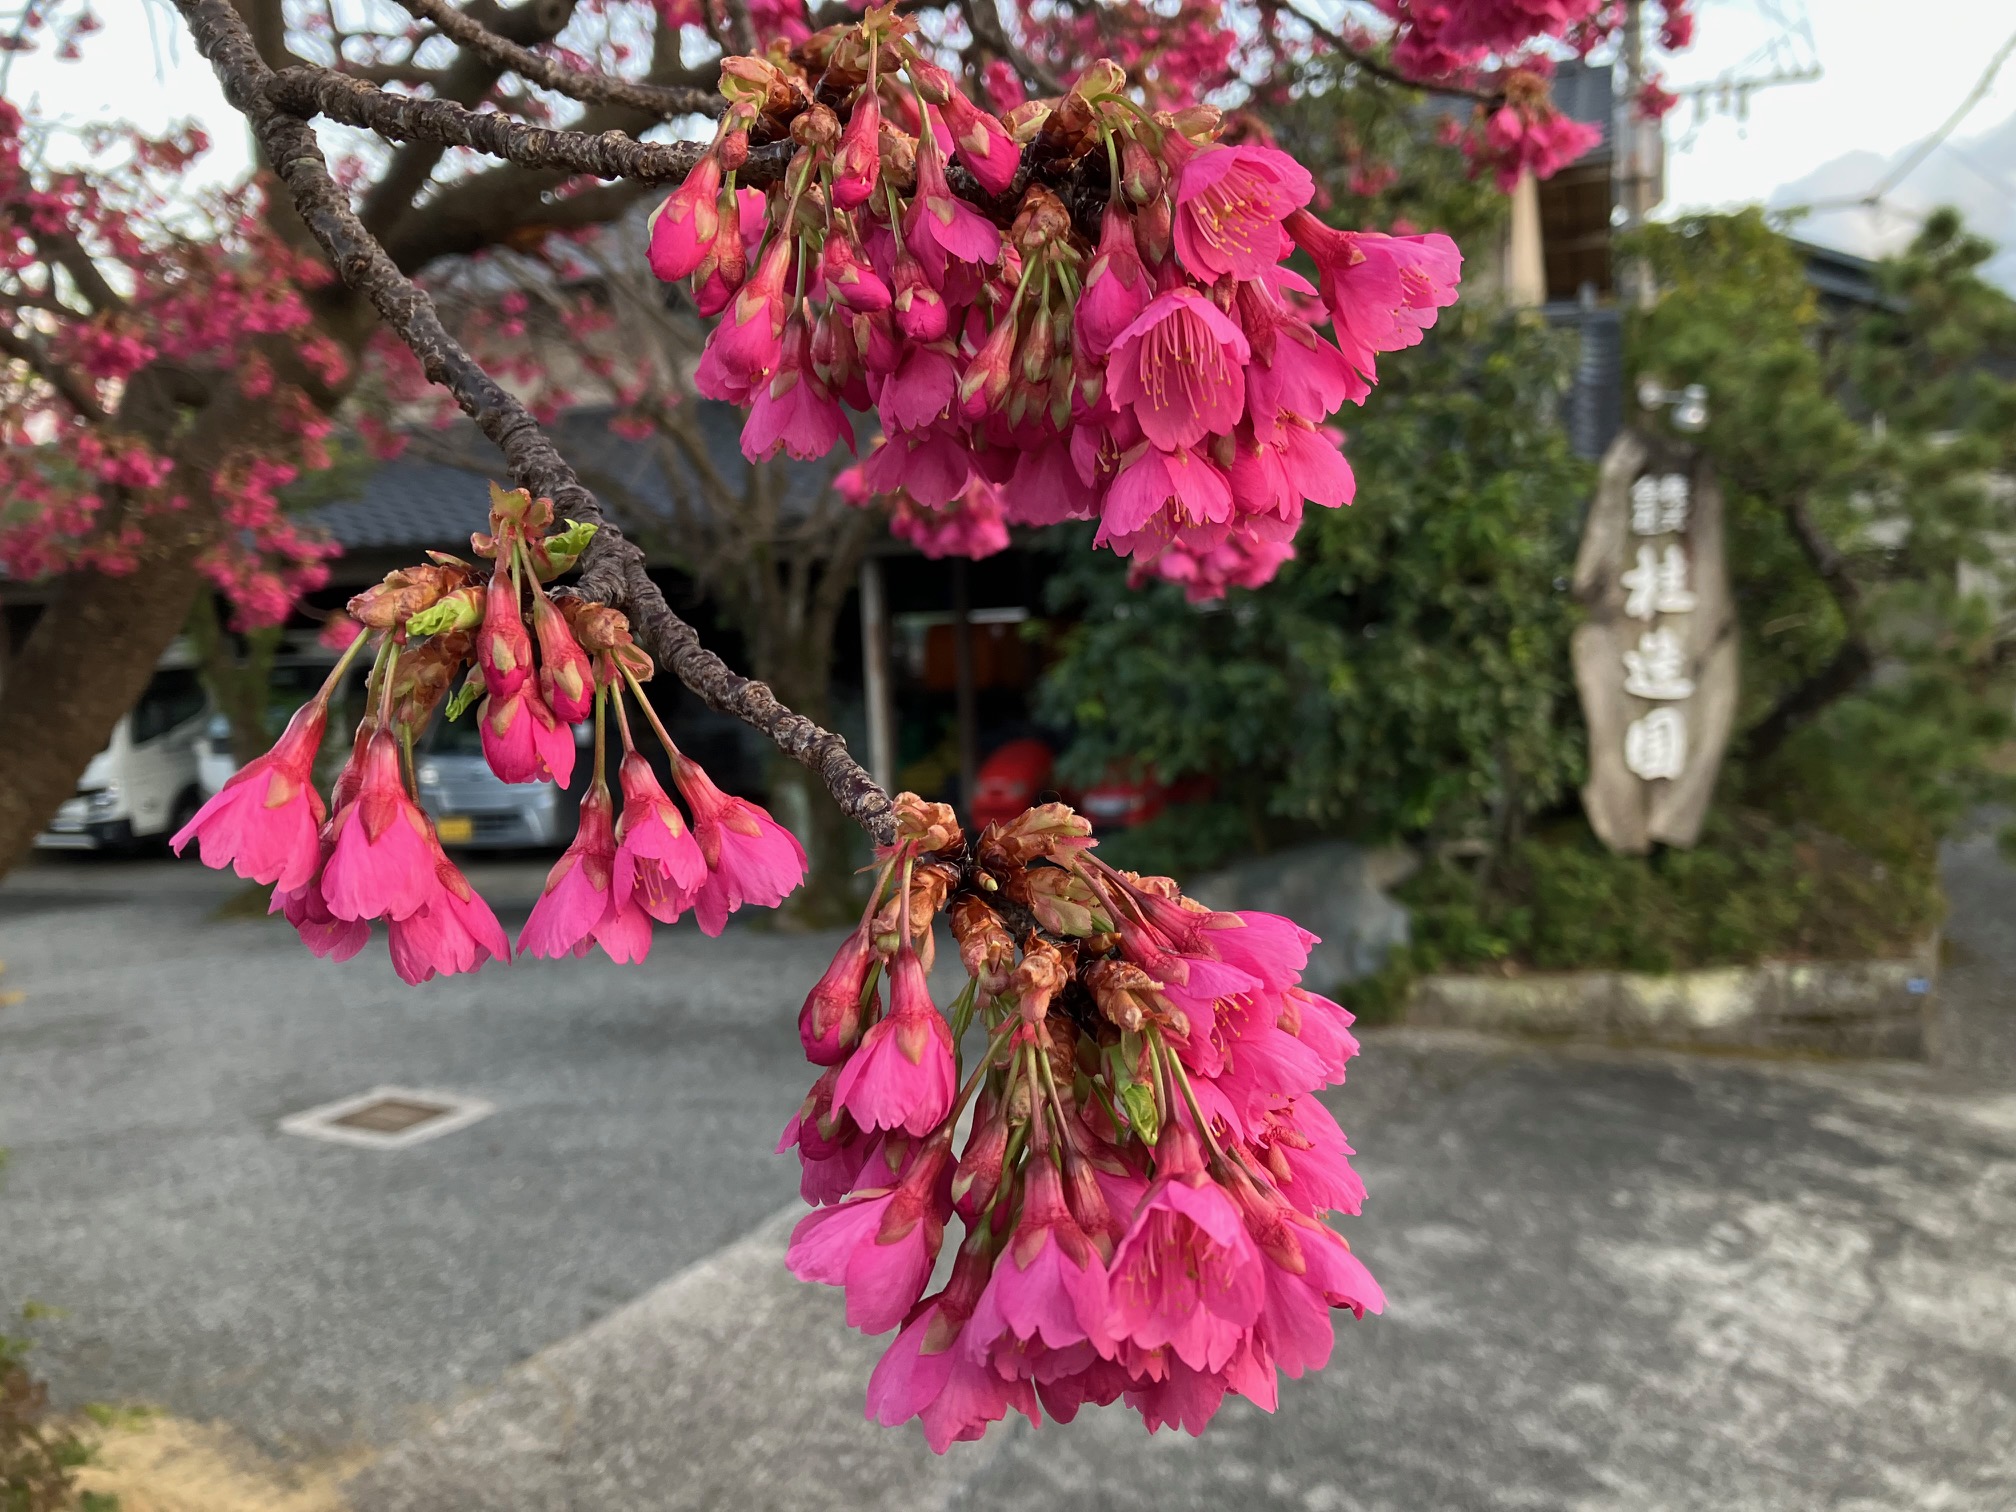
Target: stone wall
x=1850, y=1008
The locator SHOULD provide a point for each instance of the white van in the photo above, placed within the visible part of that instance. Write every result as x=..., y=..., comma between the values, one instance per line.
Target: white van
x=146, y=784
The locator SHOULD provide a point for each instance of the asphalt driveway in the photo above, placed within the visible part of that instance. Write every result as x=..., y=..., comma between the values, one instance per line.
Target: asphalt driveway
x=1618, y=1280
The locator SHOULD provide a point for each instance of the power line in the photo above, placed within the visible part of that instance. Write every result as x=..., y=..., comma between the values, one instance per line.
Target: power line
x=1974, y=97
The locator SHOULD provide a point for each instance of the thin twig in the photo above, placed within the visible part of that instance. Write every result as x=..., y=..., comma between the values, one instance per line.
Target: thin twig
x=578, y=84
x=312, y=91
x=984, y=21
x=742, y=29
x=614, y=568
x=1359, y=58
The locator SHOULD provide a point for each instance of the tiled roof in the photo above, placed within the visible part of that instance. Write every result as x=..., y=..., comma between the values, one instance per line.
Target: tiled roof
x=410, y=503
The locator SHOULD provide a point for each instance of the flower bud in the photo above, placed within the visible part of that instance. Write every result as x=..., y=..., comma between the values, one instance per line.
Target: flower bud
x=985, y=382
x=849, y=277
x=986, y=948
x=920, y=309
x=1043, y=973
x=929, y=826
x=829, y=1025
x=979, y=1171
x=566, y=680
x=687, y=224
x=503, y=646
x=1141, y=177
x=722, y=272
x=859, y=158
x=816, y=126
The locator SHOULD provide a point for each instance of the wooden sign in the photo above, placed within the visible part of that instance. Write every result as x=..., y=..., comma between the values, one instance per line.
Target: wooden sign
x=1655, y=662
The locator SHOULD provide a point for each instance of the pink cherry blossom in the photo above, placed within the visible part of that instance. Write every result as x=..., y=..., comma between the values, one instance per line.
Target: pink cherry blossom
x=858, y=159
x=1116, y=288
x=879, y=1245
x=920, y=389
x=1230, y=202
x=794, y=412
x=264, y=822
x=1048, y=1289
x=566, y=681
x=503, y=644
x=455, y=931
x=751, y=858
x=381, y=853
x=1178, y=488
x=849, y=278
x=658, y=861
x=522, y=741
x=971, y=526
x=902, y=1075
x=926, y=1375
x=938, y=226
x=745, y=348
x=320, y=930
x=1187, y=1275
x=578, y=907
x=1383, y=291
x=1179, y=367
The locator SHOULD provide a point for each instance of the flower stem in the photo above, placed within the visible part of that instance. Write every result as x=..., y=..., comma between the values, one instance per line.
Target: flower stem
x=650, y=714
x=1181, y=1079
x=622, y=719
x=342, y=666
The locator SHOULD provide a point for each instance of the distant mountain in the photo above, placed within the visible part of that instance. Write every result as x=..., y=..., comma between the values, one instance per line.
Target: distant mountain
x=1976, y=174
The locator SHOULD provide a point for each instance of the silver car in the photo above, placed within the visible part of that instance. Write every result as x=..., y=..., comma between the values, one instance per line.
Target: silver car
x=472, y=809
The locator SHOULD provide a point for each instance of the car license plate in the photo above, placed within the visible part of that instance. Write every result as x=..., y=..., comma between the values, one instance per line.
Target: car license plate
x=455, y=829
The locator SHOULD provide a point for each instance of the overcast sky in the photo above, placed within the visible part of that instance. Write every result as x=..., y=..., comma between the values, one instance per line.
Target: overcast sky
x=1884, y=87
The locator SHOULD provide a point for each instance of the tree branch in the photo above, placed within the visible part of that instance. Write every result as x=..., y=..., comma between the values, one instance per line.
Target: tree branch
x=613, y=570
x=470, y=78
x=1851, y=662
x=575, y=83
x=77, y=393
x=313, y=91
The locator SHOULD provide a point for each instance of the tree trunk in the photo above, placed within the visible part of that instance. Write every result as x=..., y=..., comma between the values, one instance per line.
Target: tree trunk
x=82, y=666
x=241, y=685
x=832, y=843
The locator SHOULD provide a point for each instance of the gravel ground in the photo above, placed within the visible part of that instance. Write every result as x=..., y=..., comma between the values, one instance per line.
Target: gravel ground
x=1619, y=1280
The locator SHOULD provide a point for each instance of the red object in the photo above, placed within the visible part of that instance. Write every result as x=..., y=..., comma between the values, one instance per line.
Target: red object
x=1011, y=780
x=1121, y=801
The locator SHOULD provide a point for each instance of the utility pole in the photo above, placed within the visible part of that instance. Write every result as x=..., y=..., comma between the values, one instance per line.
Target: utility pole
x=1640, y=145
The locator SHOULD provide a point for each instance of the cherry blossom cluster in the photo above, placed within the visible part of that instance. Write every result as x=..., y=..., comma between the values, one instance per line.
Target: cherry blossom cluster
x=1158, y=368
x=105, y=281
x=537, y=665
x=1144, y=1180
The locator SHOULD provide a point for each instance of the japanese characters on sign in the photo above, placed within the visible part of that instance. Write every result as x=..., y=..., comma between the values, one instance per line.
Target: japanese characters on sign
x=1656, y=659
x=1655, y=744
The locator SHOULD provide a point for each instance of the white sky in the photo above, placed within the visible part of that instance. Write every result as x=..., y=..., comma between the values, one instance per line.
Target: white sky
x=1885, y=86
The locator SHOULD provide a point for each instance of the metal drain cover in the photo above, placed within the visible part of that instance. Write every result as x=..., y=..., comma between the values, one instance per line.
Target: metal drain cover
x=388, y=1118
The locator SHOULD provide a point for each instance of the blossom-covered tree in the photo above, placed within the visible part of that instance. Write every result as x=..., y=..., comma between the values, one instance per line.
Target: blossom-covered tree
x=132, y=316
x=1057, y=259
